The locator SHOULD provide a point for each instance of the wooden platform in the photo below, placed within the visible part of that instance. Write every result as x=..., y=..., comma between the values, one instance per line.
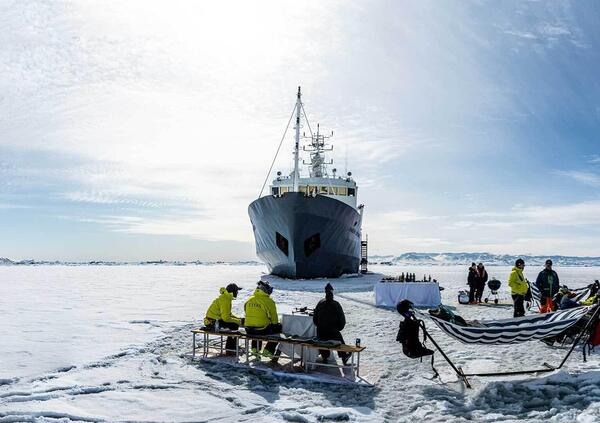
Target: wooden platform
x=214, y=343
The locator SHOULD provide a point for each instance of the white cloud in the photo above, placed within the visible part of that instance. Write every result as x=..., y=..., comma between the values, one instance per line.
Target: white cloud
x=595, y=159
x=576, y=214
x=521, y=34
x=7, y=206
x=586, y=178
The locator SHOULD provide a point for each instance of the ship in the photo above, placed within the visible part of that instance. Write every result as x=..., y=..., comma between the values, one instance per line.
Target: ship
x=308, y=225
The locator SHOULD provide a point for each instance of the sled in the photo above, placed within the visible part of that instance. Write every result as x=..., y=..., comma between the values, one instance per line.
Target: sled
x=212, y=345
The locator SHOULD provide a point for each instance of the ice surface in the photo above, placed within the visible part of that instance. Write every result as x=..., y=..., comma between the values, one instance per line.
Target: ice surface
x=108, y=343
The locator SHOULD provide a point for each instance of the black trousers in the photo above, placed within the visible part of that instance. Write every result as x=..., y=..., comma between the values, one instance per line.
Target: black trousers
x=479, y=292
x=472, y=291
x=230, y=343
x=519, y=306
x=272, y=329
x=331, y=335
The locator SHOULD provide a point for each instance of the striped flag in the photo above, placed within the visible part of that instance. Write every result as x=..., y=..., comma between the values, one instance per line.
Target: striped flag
x=536, y=297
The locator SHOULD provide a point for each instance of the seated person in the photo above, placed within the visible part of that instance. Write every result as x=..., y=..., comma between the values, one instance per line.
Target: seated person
x=408, y=333
x=591, y=300
x=329, y=319
x=593, y=296
x=567, y=301
x=261, y=318
x=220, y=311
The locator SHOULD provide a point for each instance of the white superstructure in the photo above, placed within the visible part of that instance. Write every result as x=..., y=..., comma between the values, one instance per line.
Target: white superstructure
x=318, y=181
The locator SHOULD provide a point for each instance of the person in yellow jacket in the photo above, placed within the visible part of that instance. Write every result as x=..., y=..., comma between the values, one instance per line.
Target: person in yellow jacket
x=518, y=287
x=219, y=315
x=261, y=318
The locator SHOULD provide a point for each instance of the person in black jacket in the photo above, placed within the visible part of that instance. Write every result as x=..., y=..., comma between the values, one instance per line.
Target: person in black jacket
x=329, y=319
x=471, y=283
x=548, y=284
x=481, y=278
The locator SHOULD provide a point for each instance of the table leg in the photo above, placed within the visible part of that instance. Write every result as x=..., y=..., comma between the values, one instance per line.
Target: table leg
x=358, y=364
x=221, y=345
x=237, y=348
x=292, y=361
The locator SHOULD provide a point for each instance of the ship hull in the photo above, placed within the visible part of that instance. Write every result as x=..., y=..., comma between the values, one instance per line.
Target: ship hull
x=303, y=237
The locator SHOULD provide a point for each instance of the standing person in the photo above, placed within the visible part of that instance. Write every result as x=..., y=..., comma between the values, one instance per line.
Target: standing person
x=330, y=320
x=220, y=313
x=548, y=284
x=518, y=287
x=261, y=318
x=471, y=283
x=481, y=278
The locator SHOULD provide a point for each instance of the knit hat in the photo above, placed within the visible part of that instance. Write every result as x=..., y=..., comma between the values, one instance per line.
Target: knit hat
x=265, y=287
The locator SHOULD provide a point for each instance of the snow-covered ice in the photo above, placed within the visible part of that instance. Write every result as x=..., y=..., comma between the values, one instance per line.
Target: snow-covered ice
x=109, y=343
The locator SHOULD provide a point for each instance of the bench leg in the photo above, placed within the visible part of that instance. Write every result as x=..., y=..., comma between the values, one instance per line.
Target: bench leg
x=193, y=346
x=247, y=351
x=307, y=351
x=237, y=348
x=292, y=361
x=358, y=364
x=206, y=340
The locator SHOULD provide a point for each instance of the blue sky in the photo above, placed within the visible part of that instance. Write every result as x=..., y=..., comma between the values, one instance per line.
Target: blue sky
x=142, y=130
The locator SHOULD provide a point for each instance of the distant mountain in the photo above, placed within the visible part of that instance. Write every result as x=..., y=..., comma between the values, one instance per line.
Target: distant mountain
x=448, y=259
x=30, y=262
x=405, y=259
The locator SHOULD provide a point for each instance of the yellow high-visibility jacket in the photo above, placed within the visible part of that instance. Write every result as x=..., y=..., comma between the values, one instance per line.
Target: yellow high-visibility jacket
x=220, y=309
x=590, y=300
x=516, y=281
x=260, y=310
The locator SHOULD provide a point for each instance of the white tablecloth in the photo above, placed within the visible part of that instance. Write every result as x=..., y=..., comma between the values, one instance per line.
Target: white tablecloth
x=422, y=294
x=301, y=325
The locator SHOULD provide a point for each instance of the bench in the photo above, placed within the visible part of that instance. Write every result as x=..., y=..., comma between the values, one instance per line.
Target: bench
x=216, y=343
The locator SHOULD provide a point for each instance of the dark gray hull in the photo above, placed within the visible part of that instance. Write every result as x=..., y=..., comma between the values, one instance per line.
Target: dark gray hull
x=320, y=235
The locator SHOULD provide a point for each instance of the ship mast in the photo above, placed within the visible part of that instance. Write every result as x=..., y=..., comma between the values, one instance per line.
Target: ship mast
x=296, y=175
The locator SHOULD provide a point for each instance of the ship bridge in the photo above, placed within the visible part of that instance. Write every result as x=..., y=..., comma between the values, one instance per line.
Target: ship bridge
x=342, y=189
x=319, y=181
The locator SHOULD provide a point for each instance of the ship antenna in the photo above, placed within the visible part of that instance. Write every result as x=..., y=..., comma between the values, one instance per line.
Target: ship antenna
x=297, y=144
x=346, y=158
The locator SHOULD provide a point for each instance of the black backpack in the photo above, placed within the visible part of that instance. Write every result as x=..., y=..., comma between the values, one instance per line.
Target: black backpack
x=408, y=336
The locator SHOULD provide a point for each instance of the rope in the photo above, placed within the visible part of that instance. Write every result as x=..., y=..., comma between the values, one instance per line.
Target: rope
x=277, y=152
x=306, y=119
